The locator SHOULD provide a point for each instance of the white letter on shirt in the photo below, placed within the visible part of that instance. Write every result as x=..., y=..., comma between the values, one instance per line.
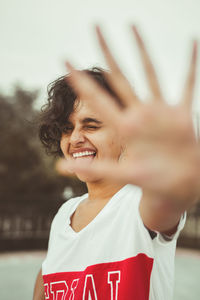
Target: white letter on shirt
x=113, y=280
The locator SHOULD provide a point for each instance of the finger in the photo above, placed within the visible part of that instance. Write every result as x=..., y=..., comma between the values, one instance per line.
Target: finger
x=116, y=79
x=197, y=127
x=89, y=90
x=149, y=68
x=61, y=169
x=191, y=77
x=113, y=171
x=140, y=173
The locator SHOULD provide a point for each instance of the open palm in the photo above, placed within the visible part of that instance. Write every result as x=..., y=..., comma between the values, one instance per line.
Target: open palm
x=162, y=153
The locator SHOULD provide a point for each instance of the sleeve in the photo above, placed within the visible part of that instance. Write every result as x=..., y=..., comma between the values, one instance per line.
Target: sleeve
x=51, y=233
x=58, y=220
x=55, y=225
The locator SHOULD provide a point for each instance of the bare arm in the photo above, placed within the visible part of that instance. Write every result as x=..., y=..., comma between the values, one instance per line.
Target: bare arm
x=39, y=287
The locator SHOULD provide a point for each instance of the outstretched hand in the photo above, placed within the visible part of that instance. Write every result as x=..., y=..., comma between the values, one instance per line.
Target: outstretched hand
x=162, y=155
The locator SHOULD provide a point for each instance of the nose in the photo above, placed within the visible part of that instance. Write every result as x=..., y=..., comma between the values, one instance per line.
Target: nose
x=77, y=137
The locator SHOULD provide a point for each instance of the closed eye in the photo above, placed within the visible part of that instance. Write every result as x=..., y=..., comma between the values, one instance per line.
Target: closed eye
x=91, y=127
x=67, y=129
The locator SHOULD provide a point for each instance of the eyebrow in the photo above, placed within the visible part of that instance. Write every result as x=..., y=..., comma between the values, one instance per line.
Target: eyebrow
x=91, y=120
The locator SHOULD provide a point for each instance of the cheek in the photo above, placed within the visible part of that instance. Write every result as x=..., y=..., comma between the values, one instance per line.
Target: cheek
x=63, y=145
x=107, y=143
x=112, y=147
x=116, y=148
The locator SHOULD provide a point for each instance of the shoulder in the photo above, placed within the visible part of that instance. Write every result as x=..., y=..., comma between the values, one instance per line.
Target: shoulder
x=70, y=204
x=132, y=193
x=66, y=208
x=129, y=199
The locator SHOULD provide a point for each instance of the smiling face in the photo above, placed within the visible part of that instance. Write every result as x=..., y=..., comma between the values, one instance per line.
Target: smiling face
x=87, y=137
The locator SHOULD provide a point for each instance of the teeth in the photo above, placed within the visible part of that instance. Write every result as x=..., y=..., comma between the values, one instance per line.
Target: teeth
x=85, y=153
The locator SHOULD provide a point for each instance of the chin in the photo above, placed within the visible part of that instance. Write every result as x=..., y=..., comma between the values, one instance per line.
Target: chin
x=88, y=178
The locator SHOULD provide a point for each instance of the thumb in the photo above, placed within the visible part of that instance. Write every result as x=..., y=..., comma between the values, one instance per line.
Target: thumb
x=64, y=167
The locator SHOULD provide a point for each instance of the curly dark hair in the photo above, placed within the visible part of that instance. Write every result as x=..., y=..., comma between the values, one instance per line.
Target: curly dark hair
x=55, y=113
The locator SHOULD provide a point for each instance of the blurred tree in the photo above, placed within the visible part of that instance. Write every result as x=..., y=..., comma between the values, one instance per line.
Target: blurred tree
x=28, y=178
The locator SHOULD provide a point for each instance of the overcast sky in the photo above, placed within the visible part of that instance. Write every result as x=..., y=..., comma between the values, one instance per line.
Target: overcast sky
x=38, y=35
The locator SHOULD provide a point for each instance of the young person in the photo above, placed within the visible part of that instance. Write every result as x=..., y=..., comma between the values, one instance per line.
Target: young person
x=118, y=241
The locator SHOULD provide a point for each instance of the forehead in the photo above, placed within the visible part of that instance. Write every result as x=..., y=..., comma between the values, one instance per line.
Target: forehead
x=83, y=110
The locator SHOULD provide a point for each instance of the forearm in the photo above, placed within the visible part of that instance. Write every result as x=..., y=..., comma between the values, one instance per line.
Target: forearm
x=160, y=214
x=39, y=288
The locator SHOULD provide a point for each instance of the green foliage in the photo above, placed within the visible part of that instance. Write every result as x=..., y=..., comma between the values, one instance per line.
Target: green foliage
x=27, y=175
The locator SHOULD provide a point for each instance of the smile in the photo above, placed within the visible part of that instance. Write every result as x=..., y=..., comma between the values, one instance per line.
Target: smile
x=84, y=153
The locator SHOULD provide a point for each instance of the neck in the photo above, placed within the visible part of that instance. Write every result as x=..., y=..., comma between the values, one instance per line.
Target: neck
x=102, y=190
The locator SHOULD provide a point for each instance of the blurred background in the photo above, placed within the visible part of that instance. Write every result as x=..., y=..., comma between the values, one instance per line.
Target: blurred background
x=36, y=38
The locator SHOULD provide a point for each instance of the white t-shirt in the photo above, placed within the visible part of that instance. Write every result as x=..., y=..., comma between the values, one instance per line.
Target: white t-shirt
x=112, y=258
